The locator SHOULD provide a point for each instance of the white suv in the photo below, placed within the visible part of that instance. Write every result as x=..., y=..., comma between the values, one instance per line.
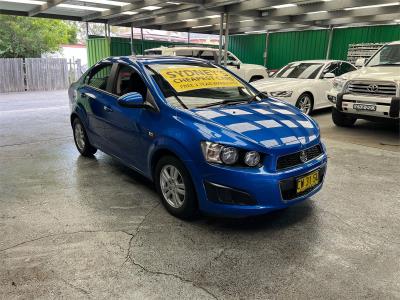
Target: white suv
x=372, y=92
x=248, y=72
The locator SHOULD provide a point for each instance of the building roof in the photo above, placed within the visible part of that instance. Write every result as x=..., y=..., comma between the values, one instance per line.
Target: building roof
x=204, y=15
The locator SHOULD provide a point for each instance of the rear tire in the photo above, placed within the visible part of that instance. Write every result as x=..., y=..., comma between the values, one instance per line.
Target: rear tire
x=175, y=187
x=81, y=139
x=341, y=119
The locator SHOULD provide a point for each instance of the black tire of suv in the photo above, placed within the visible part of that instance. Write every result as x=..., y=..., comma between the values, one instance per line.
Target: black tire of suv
x=88, y=150
x=341, y=119
x=189, y=209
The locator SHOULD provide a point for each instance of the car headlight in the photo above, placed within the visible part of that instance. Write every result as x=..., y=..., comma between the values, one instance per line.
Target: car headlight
x=228, y=155
x=252, y=158
x=281, y=94
x=338, y=84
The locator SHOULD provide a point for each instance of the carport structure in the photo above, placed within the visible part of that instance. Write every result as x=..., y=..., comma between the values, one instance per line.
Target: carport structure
x=206, y=16
x=213, y=16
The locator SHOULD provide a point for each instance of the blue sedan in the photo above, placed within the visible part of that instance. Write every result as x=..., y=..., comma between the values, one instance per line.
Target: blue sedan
x=208, y=140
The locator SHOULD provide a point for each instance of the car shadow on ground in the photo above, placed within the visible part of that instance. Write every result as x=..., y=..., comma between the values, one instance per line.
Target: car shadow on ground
x=129, y=179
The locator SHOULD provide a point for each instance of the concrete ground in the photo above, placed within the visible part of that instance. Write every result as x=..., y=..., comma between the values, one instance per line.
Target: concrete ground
x=72, y=227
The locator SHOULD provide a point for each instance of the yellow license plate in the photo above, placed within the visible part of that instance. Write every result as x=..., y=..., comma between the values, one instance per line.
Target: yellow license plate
x=307, y=182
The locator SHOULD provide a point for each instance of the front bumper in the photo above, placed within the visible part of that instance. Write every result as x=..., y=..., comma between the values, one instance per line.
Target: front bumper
x=386, y=107
x=253, y=193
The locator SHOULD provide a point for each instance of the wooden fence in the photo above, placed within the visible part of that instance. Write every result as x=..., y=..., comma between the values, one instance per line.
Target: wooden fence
x=12, y=75
x=33, y=74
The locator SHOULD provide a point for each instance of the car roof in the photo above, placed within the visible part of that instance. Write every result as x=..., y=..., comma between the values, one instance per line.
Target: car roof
x=152, y=59
x=394, y=43
x=182, y=48
x=317, y=61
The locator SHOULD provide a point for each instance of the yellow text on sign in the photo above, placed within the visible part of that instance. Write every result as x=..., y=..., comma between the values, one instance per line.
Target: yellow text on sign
x=187, y=79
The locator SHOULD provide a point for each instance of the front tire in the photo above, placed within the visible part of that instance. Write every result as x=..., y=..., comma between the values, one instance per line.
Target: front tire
x=341, y=119
x=175, y=187
x=81, y=139
x=305, y=103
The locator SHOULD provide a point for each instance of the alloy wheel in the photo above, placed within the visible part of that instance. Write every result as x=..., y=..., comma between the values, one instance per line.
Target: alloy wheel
x=172, y=186
x=79, y=136
x=304, y=104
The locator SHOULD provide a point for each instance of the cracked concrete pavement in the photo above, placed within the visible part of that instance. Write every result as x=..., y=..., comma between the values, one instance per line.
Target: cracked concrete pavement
x=72, y=227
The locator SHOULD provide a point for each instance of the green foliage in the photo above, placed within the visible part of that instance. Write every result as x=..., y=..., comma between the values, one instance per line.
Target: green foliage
x=30, y=37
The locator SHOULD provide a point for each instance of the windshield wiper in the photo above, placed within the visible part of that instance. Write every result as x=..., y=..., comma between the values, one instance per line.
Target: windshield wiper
x=224, y=102
x=232, y=102
x=254, y=98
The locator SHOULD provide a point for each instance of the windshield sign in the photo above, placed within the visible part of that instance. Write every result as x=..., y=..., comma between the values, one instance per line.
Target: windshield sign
x=200, y=85
x=389, y=55
x=195, y=78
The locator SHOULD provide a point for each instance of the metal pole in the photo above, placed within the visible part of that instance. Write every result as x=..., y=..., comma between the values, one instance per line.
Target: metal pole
x=328, y=50
x=226, y=39
x=266, y=49
x=87, y=30
x=221, y=32
x=105, y=30
x=141, y=36
x=132, y=50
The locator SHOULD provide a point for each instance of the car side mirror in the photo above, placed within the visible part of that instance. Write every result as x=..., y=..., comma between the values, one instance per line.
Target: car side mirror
x=329, y=75
x=234, y=63
x=131, y=100
x=360, y=62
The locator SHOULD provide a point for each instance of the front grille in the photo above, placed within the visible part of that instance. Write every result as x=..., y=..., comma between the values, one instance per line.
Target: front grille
x=291, y=160
x=386, y=89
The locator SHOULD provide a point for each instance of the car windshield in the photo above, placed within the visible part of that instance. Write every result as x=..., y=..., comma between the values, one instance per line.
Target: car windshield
x=389, y=55
x=299, y=70
x=198, y=85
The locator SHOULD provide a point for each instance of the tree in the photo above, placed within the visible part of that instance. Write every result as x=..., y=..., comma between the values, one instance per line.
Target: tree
x=30, y=37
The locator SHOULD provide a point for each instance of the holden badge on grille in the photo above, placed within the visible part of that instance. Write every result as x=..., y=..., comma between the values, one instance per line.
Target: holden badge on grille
x=303, y=156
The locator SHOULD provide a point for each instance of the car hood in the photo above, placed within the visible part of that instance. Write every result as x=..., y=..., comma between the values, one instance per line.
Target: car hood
x=252, y=66
x=279, y=84
x=270, y=123
x=388, y=73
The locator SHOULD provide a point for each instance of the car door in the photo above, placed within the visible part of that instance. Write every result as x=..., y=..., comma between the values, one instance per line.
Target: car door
x=94, y=96
x=323, y=85
x=127, y=129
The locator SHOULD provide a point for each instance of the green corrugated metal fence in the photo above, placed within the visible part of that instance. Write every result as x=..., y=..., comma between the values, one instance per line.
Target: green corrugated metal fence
x=97, y=48
x=248, y=48
x=342, y=37
x=284, y=47
x=100, y=47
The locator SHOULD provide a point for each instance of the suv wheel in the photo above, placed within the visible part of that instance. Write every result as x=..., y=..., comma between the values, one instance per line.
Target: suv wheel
x=175, y=187
x=81, y=139
x=341, y=119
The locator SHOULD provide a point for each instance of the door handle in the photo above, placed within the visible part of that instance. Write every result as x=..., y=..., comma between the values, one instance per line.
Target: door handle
x=88, y=95
x=107, y=108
